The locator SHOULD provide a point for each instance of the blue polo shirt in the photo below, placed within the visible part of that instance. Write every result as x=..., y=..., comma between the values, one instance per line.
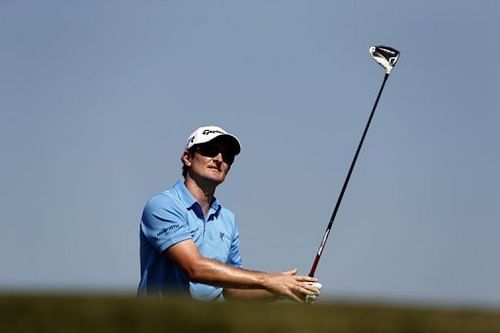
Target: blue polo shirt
x=171, y=217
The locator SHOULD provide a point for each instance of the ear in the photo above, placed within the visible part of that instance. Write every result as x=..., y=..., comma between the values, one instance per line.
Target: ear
x=186, y=158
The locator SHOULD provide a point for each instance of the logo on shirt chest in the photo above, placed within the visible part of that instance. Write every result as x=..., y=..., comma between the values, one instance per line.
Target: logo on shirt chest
x=221, y=235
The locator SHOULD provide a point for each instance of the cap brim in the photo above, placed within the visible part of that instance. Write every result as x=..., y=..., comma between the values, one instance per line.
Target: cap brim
x=231, y=141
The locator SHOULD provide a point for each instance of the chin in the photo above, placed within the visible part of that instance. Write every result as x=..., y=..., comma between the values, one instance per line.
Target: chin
x=218, y=180
x=215, y=178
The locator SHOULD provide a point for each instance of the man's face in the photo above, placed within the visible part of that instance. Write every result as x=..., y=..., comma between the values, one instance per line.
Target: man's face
x=210, y=161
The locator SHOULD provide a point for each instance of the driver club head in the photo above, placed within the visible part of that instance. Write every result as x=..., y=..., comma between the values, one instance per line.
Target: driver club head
x=386, y=56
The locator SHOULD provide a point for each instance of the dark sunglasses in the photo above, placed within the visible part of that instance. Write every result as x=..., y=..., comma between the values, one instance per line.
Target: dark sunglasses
x=211, y=150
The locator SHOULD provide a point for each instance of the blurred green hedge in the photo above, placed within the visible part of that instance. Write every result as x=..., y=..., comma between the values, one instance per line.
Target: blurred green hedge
x=96, y=314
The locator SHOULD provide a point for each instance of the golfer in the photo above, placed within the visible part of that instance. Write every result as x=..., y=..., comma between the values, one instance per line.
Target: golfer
x=189, y=242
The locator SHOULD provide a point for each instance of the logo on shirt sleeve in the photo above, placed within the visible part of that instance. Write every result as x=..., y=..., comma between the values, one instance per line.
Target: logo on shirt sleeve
x=169, y=229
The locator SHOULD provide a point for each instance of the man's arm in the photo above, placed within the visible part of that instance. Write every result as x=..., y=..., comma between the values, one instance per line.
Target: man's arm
x=253, y=294
x=185, y=254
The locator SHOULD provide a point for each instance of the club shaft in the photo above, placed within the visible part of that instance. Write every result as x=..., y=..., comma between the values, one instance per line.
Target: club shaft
x=344, y=187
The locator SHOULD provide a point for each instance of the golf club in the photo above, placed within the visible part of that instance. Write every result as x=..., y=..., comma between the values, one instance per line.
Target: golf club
x=387, y=58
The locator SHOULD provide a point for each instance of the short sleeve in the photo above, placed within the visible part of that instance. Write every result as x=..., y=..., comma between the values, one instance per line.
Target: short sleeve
x=164, y=222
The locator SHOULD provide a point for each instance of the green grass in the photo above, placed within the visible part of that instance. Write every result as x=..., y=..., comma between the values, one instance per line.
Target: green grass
x=95, y=314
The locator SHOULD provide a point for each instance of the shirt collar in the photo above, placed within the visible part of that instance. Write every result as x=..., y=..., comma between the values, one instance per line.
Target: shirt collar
x=188, y=200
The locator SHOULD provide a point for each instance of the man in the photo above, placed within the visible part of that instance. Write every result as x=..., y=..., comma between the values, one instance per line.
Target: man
x=190, y=243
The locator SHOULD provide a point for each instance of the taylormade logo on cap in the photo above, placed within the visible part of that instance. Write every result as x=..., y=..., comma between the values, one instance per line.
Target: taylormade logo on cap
x=208, y=133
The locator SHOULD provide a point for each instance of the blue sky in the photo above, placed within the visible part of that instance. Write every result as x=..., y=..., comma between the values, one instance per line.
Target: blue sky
x=97, y=99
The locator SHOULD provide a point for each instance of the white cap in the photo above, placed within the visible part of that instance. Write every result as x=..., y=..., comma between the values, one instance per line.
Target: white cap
x=208, y=133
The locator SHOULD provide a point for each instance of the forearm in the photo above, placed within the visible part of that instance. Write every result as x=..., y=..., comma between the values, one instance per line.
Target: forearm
x=242, y=281
x=218, y=274
x=256, y=294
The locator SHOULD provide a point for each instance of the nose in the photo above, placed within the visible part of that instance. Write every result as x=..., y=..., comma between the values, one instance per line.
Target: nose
x=218, y=158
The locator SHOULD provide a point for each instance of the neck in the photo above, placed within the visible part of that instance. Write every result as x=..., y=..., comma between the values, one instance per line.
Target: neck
x=203, y=192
